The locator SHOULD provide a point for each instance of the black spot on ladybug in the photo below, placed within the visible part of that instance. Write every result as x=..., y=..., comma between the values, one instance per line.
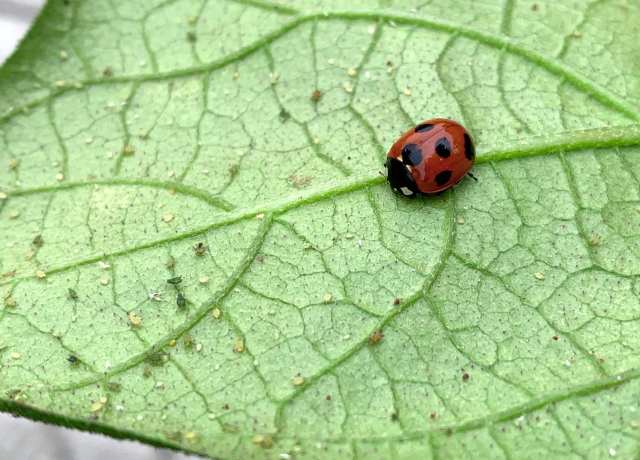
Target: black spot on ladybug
x=424, y=127
x=411, y=155
x=443, y=148
x=443, y=177
x=469, y=149
x=400, y=178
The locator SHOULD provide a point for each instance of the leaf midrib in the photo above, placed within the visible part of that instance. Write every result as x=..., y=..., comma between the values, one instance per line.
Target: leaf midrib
x=522, y=148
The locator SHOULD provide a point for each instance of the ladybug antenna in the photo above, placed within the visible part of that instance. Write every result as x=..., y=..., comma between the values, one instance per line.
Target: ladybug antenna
x=472, y=177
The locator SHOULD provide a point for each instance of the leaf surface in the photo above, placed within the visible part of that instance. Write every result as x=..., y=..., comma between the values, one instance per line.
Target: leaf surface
x=145, y=141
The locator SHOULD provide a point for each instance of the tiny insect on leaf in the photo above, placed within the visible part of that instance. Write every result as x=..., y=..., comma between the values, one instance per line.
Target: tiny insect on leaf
x=181, y=301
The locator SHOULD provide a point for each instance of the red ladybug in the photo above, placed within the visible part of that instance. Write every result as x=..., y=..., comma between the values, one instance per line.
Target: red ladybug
x=430, y=158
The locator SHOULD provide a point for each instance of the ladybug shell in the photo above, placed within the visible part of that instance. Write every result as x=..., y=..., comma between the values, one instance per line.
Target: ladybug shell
x=430, y=157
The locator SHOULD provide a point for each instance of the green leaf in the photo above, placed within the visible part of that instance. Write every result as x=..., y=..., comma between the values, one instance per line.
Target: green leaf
x=133, y=132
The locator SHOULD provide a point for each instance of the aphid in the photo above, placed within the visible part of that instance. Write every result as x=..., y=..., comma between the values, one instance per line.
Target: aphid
x=465, y=377
x=181, y=301
x=188, y=340
x=316, y=95
x=173, y=435
x=263, y=440
x=394, y=417
x=37, y=241
x=146, y=372
x=375, y=337
x=73, y=294
x=155, y=357
x=72, y=358
x=175, y=280
x=283, y=115
x=191, y=37
x=170, y=261
x=9, y=302
x=114, y=386
x=107, y=72
x=199, y=249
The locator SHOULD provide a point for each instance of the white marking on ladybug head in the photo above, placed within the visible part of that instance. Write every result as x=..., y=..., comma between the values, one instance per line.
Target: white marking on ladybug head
x=406, y=191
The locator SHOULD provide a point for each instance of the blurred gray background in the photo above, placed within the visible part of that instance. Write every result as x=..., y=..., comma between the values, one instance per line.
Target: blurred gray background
x=22, y=439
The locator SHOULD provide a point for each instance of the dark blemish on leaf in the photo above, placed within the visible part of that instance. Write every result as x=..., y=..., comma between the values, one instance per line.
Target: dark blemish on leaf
x=442, y=178
x=394, y=417
x=411, y=155
x=72, y=359
x=328, y=398
x=107, y=72
x=175, y=280
x=555, y=337
x=433, y=416
x=469, y=149
x=443, y=147
x=423, y=127
x=465, y=377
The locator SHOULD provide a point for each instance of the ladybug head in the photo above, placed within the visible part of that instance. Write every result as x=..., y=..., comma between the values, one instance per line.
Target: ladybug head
x=400, y=179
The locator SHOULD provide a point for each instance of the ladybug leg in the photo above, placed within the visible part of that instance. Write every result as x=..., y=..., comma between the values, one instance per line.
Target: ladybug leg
x=472, y=177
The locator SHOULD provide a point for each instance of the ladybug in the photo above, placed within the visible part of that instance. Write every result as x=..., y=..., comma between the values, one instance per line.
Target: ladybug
x=430, y=158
